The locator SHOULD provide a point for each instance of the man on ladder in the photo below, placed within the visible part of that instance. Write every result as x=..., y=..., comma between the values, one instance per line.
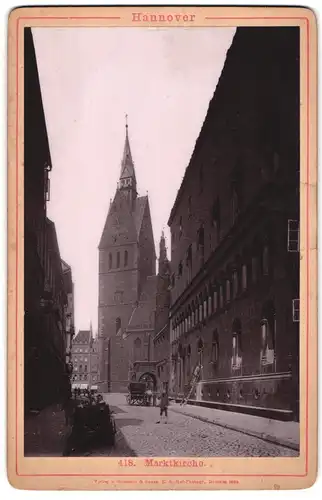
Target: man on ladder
x=196, y=374
x=193, y=383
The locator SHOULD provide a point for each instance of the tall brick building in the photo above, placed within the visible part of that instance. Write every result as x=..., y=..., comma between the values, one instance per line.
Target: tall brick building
x=235, y=236
x=126, y=281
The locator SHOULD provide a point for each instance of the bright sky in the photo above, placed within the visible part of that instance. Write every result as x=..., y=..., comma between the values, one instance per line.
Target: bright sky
x=90, y=78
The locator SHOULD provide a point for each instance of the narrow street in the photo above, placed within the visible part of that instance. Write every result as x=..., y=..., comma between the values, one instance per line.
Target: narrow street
x=182, y=435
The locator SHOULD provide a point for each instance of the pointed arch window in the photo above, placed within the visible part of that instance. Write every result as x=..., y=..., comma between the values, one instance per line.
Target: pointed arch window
x=236, y=360
x=215, y=347
x=268, y=327
x=265, y=260
x=118, y=260
x=118, y=325
x=137, y=343
x=126, y=258
x=110, y=261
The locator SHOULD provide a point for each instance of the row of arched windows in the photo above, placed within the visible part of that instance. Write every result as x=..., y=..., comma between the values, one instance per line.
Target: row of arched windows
x=117, y=264
x=267, y=329
x=219, y=293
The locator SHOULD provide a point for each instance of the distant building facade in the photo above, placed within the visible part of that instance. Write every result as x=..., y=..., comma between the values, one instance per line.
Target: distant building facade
x=126, y=281
x=161, y=338
x=45, y=297
x=81, y=358
x=235, y=236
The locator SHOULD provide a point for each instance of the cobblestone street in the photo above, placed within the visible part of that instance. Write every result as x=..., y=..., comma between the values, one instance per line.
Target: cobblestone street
x=184, y=435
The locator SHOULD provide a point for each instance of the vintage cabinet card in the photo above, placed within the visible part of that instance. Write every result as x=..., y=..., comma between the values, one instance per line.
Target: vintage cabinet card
x=162, y=248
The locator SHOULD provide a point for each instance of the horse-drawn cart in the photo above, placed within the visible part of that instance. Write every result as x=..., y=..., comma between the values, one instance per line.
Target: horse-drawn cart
x=137, y=394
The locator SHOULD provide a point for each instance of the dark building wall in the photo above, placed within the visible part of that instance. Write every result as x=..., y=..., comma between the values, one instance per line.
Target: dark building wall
x=239, y=191
x=44, y=357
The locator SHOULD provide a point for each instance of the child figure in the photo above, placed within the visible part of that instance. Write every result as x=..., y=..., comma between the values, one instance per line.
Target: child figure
x=164, y=403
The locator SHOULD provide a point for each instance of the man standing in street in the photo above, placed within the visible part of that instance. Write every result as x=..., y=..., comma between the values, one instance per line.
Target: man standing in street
x=164, y=403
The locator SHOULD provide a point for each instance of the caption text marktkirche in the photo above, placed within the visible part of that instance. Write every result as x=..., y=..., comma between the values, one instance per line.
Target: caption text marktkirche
x=152, y=462
x=162, y=18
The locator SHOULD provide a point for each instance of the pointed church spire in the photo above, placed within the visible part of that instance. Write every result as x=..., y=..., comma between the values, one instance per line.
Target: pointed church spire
x=127, y=165
x=163, y=258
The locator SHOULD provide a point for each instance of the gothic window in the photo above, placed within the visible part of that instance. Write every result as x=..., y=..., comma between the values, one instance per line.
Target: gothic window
x=118, y=325
x=235, y=283
x=137, y=343
x=265, y=260
x=268, y=327
x=80, y=368
x=236, y=360
x=215, y=300
x=215, y=347
x=118, y=260
x=221, y=296
x=110, y=261
x=126, y=257
x=210, y=310
x=205, y=308
x=85, y=368
x=227, y=291
x=180, y=227
x=244, y=277
x=200, y=345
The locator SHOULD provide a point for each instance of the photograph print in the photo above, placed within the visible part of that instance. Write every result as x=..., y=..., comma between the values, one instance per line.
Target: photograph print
x=161, y=242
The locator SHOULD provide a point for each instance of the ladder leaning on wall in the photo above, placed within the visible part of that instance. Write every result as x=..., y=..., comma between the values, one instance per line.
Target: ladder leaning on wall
x=194, y=380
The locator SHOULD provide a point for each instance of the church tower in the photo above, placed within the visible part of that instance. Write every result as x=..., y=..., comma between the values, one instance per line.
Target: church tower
x=126, y=261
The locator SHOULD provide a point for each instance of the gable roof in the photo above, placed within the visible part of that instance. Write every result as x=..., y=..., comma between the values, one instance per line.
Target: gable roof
x=122, y=225
x=140, y=205
x=143, y=315
x=83, y=337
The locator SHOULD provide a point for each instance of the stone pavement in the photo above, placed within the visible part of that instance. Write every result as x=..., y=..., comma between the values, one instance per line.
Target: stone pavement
x=185, y=435
x=274, y=431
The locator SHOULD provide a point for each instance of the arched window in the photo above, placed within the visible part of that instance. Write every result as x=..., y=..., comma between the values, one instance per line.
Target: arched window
x=137, y=343
x=215, y=347
x=200, y=345
x=236, y=360
x=227, y=290
x=118, y=325
x=221, y=296
x=244, y=277
x=118, y=261
x=126, y=258
x=268, y=331
x=110, y=261
x=265, y=260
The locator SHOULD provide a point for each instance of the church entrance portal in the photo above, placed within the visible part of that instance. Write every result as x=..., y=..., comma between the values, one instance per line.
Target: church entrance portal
x=150, y=380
